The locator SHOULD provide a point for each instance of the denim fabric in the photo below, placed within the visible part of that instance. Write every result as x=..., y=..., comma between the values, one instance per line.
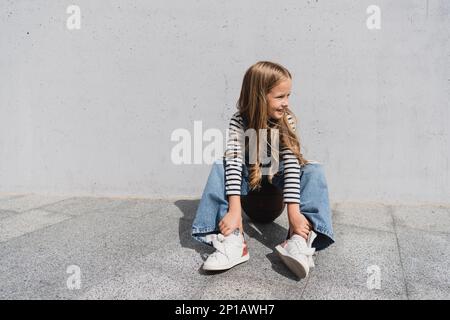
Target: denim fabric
x=314, y=203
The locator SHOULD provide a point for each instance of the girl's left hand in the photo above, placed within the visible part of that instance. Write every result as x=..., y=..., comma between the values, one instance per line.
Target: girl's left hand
x=230, y=222
x=299, y=224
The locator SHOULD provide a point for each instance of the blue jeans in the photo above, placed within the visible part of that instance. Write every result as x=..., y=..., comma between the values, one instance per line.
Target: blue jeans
x=314, y=203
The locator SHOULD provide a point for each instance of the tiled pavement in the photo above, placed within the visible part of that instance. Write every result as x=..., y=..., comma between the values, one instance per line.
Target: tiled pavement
x=142, y=249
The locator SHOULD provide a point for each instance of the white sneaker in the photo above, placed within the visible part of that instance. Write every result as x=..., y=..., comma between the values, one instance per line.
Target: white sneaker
x=230, y=251
x=311, y=236
x=297, y=254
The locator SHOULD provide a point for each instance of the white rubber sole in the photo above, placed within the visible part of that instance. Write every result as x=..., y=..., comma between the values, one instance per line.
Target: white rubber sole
x=226, y=266
x=295, y=266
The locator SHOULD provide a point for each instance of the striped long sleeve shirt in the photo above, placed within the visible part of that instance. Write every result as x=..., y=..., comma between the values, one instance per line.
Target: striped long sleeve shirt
x=234, y=159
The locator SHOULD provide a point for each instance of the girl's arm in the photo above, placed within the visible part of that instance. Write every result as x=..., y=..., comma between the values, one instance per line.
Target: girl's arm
x=234, y=204
x=234, y=156
x=233, y=176
x=233, y=219
x=297, y=221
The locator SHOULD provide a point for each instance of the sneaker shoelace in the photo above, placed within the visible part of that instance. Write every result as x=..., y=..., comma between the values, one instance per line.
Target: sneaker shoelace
x=302, y=248
x=218, y=244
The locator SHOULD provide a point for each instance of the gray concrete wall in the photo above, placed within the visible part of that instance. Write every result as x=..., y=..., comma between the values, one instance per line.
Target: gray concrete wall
x=91, y=111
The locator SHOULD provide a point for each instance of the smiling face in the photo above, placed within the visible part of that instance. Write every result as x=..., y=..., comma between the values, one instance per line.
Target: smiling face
x=278, y=99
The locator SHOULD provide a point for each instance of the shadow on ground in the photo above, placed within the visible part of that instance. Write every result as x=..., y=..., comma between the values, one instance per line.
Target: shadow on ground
x=268, y=234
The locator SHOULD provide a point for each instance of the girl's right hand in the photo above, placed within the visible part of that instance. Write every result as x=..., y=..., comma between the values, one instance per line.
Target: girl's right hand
x=230, y=222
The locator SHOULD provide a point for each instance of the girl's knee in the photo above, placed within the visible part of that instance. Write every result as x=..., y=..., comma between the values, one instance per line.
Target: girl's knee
x=219, y=162
x=314, y=168
x=218, y=165
x=314, y=171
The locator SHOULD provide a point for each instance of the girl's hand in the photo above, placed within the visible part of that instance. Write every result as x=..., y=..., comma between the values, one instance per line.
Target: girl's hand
x=299, y=224
x=230, y=222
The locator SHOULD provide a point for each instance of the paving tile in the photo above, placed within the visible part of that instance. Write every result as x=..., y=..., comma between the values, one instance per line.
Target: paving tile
x=30, y=221
x=7, y=213
x=341, y=271
x=426, y=261
x=372, y=216
x=427, y=218
x=28, y=202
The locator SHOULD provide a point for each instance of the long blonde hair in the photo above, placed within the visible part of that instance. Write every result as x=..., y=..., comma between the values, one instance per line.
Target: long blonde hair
x=253, y=106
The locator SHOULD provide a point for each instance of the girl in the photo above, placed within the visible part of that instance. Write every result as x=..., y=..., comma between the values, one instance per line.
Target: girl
x=263, y=106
